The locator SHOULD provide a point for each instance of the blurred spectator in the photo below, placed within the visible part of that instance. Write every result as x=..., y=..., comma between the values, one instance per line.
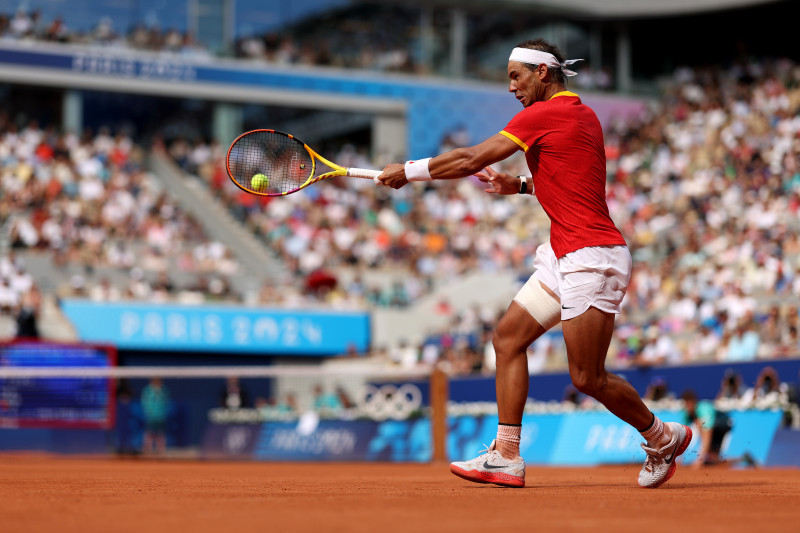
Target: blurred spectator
x=28, y=314
x=272, y=409
x=325, y=403
x=344, y=398
x=404, y=354
x=156, y=406
x=658, y=349
x=22, y=24
x=706, y=344
x=127, y=421
x=771, y=334
x=767, y=390
x=539, y=354
x=8, y=297
x=731, y=386
x=288, y=405
x=790, y=343
x=743, y=345
x=657, y=390
x=233, y=395
x=104, y=291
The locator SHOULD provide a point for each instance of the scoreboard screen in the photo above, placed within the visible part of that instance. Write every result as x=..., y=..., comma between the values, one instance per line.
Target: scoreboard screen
x=56, y=402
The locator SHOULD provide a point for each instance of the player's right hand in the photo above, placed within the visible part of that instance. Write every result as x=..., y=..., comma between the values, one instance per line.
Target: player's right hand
x=393, y=176
x=499, y=182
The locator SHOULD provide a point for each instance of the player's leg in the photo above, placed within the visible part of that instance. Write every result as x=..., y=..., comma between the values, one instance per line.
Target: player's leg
x=592, y=284
x=534, y=310
x=501, y=463
x=587, y=338
x=514, y=333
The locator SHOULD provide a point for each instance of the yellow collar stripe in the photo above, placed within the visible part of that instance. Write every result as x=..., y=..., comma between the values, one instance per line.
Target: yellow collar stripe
x=563, y=93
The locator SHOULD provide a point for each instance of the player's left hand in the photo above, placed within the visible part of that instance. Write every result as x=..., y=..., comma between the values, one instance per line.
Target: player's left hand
x=393, y=176
x=499, y=182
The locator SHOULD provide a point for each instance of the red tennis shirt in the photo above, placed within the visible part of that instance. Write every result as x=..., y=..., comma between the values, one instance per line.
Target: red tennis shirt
x=563, y=144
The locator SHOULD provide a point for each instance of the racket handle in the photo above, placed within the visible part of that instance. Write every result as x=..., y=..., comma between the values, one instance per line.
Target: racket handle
x=363, y=173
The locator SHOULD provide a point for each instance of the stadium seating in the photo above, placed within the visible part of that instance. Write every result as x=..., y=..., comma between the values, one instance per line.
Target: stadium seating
x=706, y=189
x=88, y=220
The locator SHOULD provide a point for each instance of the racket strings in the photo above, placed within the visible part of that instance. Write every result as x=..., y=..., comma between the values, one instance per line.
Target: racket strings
x=270, y=163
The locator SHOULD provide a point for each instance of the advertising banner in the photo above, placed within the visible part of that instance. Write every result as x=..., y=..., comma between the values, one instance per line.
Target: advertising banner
x=584, y=438
x=219, y=329
x=310, y=439
x=229, y=441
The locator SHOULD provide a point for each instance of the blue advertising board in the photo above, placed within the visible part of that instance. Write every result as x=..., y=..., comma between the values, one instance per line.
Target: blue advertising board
x=324, y=440
x=584, y=438
x=703, y=379
x=56, y=402
x=785, y=449
x=210, y=329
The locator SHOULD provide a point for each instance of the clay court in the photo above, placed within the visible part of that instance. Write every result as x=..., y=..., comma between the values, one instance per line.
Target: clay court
x=47, y=494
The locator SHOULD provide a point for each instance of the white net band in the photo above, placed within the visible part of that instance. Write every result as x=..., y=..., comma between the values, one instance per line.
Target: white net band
x=177, y=372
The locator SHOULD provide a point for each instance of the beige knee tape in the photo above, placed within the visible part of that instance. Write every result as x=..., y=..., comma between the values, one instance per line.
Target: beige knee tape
x=539, y=303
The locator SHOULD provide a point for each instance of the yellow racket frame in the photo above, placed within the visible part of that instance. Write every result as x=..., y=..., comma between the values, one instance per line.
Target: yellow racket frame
x=337, y=171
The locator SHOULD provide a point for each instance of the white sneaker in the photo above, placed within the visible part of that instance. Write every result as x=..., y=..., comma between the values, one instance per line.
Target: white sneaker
x=660, y=463
x=491, y=467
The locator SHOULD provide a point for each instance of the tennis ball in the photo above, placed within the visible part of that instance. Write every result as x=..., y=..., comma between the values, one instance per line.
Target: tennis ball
x=259, y=182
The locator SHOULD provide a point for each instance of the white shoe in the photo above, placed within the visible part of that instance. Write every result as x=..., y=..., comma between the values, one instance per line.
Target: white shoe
x=491, y=467
x=660, y=463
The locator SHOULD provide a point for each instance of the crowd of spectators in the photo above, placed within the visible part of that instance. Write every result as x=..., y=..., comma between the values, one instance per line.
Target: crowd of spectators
x=358, y=39
x=88, y=204
x=384, y=38
x=362, y=37
x=24, y=25
x=706, y=190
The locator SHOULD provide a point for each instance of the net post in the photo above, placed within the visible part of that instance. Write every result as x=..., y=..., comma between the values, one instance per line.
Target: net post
x=439, y=397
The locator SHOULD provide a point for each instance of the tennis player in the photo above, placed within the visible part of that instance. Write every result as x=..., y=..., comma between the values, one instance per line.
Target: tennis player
x=580, y=276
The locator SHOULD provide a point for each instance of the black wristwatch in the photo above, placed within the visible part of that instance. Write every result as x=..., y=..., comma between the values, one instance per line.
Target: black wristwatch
x=523, y=184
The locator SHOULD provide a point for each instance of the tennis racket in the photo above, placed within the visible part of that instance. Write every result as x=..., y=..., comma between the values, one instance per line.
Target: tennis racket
x=273, y=163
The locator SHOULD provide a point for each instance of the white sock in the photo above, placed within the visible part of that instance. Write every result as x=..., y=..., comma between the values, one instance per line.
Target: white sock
x=655, y=433
x=508, y=438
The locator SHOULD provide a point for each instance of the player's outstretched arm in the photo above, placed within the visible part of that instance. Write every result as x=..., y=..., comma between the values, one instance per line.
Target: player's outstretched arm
x=458, y=163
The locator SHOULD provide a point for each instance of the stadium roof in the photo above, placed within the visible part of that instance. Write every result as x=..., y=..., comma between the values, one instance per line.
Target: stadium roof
x=606, y=9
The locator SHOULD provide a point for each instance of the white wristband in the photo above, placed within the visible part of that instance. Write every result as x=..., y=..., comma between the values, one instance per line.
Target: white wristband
x=418, y=170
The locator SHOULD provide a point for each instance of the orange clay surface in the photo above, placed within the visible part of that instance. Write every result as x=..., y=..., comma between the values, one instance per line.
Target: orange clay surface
x=69, y=495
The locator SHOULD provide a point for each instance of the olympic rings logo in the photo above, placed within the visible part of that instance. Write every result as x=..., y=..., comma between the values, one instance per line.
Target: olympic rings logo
x=389, y=401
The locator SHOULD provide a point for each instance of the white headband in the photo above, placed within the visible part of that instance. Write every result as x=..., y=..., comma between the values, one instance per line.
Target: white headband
x=537, y=57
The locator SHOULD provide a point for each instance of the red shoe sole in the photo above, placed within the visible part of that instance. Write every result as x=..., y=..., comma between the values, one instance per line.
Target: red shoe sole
x=682, y=448
x=498, y=478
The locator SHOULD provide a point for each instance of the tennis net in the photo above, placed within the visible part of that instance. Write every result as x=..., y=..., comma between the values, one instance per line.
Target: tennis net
x=346, y=411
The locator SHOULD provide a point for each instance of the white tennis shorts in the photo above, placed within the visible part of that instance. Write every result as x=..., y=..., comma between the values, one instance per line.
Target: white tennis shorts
x=596, y=276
